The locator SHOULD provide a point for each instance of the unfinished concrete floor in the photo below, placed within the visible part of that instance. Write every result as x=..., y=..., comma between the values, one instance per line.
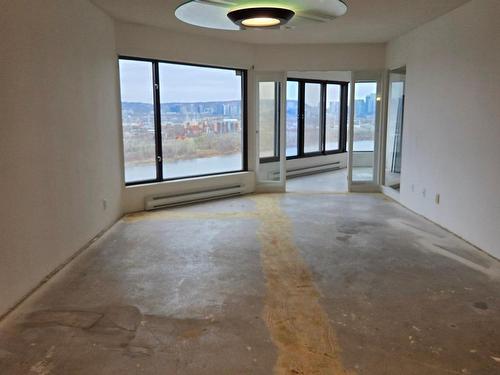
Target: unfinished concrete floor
x=284, y=284
x=326, y=182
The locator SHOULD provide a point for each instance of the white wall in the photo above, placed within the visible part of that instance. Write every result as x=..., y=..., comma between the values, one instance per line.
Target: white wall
x=321, y=57
x=60, y=140
x=451, y=142
x=145, y=41
x=137, y=194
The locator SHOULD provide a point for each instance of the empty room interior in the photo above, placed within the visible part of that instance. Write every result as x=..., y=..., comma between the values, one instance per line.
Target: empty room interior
x=250, y=187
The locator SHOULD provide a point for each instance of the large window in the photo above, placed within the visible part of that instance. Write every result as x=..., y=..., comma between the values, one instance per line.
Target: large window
x=181, y=120
x=316, y=117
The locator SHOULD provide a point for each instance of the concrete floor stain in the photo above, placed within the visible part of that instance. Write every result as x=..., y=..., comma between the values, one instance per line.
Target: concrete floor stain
x=182, y=215
x=298, y=324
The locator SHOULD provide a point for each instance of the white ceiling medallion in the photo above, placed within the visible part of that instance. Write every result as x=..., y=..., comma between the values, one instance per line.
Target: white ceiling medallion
x=241, y=15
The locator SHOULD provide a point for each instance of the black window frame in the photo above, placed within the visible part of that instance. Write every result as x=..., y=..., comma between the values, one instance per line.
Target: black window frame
x=344, y=88
x=157, y=119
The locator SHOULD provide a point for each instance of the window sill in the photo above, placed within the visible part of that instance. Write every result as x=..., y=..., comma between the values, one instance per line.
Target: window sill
x=184, y=179
x=315, y=155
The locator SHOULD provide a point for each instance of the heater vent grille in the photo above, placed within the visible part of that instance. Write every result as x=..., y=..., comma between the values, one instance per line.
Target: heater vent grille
x=176, y=199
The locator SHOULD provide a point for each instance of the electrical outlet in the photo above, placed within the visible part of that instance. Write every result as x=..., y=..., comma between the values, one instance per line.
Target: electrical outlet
x=438, y=198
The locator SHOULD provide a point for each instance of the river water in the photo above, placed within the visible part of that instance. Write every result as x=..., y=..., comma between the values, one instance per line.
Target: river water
x=193, y=167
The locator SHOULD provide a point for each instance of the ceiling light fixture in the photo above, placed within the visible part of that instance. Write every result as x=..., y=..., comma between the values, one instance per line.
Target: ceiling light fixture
x=260, y=17
x=258, y=14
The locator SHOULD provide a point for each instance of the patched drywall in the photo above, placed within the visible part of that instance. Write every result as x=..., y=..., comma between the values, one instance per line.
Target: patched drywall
x=60, y=137
x=451, y=142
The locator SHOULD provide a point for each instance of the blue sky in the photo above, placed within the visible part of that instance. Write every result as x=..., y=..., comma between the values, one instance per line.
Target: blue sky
x=178, y=83
x=184, y=83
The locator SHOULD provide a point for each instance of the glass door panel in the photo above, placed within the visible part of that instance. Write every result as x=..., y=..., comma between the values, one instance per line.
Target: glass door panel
x=364, y=124
x=270, y=103
x=394, y=131
x=292, y=115
x=364, y=131
x=332, y=128
x=268, y=121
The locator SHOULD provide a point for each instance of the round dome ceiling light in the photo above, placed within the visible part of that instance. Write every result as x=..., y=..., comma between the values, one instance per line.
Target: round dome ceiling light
x=260, y=17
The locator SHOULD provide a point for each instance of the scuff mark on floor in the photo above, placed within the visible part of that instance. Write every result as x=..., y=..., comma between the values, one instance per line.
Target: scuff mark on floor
x=123, y=328
x=45, y=366
x=298, y=324
x=441, y=245
x=77, y=319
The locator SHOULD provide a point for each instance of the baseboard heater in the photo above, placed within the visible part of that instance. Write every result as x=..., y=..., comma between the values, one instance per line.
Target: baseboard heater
x=296, y=172
x=177, y=199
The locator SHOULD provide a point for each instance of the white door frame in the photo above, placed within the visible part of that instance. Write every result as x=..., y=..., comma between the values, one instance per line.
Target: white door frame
x=394, y=194
x=374, y=184
x=264, y=186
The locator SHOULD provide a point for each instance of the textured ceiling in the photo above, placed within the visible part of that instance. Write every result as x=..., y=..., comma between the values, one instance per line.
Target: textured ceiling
x=366, y=21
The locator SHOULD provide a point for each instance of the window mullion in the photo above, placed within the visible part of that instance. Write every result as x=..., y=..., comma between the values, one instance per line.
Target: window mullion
x=343, y=117
x=157, y=115
x=277, y=113
x=322, y=131
x=301, y=114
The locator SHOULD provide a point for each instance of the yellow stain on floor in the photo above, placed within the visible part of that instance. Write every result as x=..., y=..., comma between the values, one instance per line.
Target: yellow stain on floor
x=298, y=324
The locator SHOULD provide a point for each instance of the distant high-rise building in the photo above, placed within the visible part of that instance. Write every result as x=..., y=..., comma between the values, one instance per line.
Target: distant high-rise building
x=370, y=104
x=360, y=107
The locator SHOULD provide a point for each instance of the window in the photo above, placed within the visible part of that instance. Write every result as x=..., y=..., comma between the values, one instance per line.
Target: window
x=200, y=120
x=139, y=147
x=292, y=114
x=316, y=121
x=268, y=101
x=332, y=115
x=312, y=118
x=365, y=103
x=181, y=120
x=365, y=113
